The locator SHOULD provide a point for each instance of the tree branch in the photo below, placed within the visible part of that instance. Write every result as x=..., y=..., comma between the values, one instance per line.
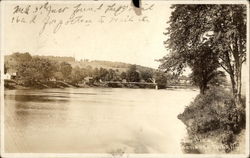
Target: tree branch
x=225, y=68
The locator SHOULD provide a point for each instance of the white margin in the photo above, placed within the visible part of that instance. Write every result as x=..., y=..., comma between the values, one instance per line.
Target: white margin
x=126, y=155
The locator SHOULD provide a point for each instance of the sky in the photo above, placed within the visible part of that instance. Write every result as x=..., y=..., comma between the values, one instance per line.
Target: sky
x=137, y=42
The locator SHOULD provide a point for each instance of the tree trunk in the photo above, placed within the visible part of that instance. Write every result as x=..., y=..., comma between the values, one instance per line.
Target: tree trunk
x=237, y=94
x=236, y=85
x=203, y=87
x=202, y=90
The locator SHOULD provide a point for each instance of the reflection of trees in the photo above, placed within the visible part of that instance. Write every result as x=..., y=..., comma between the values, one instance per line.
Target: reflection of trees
x=39, y=109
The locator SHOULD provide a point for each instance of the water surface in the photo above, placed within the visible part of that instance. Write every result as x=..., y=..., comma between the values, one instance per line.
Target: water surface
x=95, y=120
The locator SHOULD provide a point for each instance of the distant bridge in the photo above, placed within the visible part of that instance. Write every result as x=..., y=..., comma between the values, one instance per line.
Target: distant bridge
x=134, y=83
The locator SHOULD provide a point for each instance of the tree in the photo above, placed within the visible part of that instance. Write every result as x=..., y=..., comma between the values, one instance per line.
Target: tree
x=58, y=75
x=35, y=70
x=111, y=76
x=77, y=75
x=204, y=66
x=132, y=74
x=146, y=75
x=219, y=80
x=12, y=61
x=229, y=40
x=221, y=27
x=95, y=74
x=21, y=57
x=47, y=67
x=65, y=69
x=161, y=79
x=89, y=70
x=102, y=73
x=123, y=75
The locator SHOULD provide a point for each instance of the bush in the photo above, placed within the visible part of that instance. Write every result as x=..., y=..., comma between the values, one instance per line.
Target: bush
x=214, y=114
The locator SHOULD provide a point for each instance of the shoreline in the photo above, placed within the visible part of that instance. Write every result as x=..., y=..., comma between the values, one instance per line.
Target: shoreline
x=13, y=85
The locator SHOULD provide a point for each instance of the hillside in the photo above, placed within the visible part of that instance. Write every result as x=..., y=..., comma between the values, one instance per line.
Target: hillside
x=24, y=70
x=84, y=63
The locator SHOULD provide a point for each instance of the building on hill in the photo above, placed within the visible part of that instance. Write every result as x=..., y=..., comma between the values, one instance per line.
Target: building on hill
x=9, y=76
x=88, y=79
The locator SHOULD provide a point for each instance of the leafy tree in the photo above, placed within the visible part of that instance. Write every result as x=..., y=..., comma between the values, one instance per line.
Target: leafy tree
x=111, y=76
x=219, y=80
x=65, y=69
x=58, y=75
x=229, y=40
x=221, y=27
x=102, y=73
x=89, y=70
x=21, y=57
x=123, y=75
x=77, y=75
x=48, y=67
x=14, y=60
x=95, y=74
x=161, y=79
x=146, y=75
x=35, y=70
x=204, y=66
x=132, y=74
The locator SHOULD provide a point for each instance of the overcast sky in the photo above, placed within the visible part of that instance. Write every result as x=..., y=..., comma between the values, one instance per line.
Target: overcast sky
x=131, y=42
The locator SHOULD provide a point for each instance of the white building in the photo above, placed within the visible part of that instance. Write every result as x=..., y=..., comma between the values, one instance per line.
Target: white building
x=7, y=76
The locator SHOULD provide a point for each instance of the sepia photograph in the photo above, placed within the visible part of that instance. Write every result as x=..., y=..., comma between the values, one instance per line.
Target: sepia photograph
x=107, y=78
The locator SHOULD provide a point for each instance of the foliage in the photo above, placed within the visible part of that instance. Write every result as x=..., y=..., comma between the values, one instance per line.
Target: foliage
x=161, y=79
x=123, y=75
x=132, y=74
x=214, y=114
x=21, y=57
x=77, y=75
x=11, y=62
x=111, y=76
x=219, y=80
x=39, y=70
x=65, y=69
x=221, y=27
x=34, y=70
x=229, y=40
x=102, y=73
x=58, y=75
x=204, y=66
x=146, y=75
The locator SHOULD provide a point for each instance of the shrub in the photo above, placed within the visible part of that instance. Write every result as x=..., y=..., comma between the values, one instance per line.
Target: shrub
x=214, y=114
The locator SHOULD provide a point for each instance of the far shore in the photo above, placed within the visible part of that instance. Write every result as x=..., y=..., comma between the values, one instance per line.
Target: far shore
x=13, y=85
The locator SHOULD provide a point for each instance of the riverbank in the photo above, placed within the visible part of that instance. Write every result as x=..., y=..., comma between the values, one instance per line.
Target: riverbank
x=214, y=124
x=12, y=84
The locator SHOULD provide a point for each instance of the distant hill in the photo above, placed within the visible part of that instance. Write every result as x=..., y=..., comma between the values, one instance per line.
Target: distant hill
x=120, y=66
x=84, y=63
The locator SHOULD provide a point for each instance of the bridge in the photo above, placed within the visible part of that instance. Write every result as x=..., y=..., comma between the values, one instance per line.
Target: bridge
x=133, y=83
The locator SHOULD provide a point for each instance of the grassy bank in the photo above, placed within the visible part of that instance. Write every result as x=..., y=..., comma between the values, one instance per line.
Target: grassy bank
x=214, y=123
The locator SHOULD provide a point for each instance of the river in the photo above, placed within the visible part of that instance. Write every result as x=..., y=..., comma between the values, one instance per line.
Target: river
x=95, y=120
